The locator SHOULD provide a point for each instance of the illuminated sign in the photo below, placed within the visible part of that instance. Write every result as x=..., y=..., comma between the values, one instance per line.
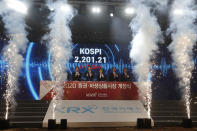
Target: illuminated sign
x=91, y=51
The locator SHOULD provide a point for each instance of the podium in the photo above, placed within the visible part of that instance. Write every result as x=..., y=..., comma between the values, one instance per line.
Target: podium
x=90, y=90
x=94, y=104
x=97, y=113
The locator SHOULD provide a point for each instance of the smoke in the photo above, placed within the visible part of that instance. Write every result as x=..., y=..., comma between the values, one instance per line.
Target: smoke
x=14, y=23
x=146, y=35
x=182, y=17
x=59, y=42
x=160, y=3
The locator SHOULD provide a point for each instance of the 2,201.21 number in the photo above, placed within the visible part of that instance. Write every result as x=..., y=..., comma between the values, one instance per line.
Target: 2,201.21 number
x=84, y=59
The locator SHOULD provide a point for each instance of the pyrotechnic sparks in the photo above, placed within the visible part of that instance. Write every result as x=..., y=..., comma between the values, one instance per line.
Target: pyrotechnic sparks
x=60, y=43
x=54, y=106
x=149, y=100
x=183, y=40
x=15, y=26
x=144, y=43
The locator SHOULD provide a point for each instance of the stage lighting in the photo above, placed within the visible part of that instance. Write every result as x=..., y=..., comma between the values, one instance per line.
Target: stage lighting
x=65, y=8
x=17, y=6
x=51, y=9
x=187, y=123
x=178, y=12
x=144, y=123
x=4, y=124
x=111, y=15
x=96, y=10
x=129, y=11
x=140, y=123
x=63, y=124
x=147, y=123
x=52, y=124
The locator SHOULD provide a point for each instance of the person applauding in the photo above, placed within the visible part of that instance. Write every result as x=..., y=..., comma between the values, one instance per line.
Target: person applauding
x=113, y=76
x=125, y=76
x=89, y=74
x=76, y=76
x=101, y=76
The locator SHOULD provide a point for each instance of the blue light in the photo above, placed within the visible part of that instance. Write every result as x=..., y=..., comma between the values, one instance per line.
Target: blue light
x=49, y=66
x=195, y=61
x=117, y=48
x=149, y=76
x=40, y=73
x=74, y=46
x=108, y=58
x=164, y=67
x=111, y=53
x=31, y=88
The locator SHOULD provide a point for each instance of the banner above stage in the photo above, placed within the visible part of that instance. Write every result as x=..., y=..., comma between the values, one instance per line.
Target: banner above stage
x=87, y=90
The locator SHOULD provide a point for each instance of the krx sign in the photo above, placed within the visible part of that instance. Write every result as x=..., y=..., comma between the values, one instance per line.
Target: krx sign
x=75, y=109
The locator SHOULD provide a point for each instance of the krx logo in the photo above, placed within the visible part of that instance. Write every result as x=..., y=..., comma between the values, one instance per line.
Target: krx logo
x=75, y=109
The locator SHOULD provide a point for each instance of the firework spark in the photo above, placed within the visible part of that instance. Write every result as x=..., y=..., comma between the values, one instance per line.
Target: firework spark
x=146, y=35
x=60, y=43
x=14, y=23
x=182, y=18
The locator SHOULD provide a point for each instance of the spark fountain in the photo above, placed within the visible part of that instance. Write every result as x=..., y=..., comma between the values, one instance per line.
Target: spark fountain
x=146, y=35
x=182, y=17
x=12, y=12
x=60, y=43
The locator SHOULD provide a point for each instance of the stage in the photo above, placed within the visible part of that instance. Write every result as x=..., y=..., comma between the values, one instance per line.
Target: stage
x=98, y=64
x=30, y=114
x=109, y=129
x=81, y=110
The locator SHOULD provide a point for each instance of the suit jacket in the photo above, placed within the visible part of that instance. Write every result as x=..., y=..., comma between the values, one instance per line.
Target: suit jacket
x=88, y=77
x=125, y=78
x=76, y=78
x=101, y=78
x=113, y=78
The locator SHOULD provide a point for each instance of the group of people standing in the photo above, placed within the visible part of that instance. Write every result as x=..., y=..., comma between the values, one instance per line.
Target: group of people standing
x=89, y=75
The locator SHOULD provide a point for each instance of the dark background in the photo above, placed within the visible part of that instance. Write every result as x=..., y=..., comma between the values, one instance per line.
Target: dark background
x=100, y=29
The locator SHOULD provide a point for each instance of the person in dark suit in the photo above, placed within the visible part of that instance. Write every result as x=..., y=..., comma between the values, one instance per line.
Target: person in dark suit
x=89, y=74
x=76, y=76
x=113, y=76
x=125, y=76
x=101, y=76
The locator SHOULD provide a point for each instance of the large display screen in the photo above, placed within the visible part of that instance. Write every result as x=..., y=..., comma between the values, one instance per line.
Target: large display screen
x=37, y=67
x=98, y=56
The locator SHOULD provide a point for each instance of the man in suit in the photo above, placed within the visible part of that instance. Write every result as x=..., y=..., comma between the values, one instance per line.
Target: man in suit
x=101, y=76
x=89, y=74
x=76, y=76
x=113, y=76
x=125, y=76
